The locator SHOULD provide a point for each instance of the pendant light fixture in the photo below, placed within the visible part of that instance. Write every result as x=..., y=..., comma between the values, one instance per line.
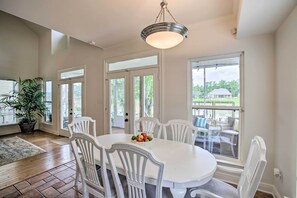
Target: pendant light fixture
x=164, y=35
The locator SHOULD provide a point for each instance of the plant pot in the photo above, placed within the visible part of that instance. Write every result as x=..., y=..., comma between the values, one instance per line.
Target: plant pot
x=27, y=127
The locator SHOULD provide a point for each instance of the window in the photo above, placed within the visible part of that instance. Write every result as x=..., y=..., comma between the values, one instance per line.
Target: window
x=133, y=63
x=217, y=104
x=48, y=101
x=72, y=74
x=7, y=114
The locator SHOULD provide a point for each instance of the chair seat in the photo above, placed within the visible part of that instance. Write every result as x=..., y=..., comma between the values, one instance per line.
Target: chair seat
x=219, y=188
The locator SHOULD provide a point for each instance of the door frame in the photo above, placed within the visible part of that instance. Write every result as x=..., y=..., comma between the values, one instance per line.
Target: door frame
x=159, y=66
x=70, y=81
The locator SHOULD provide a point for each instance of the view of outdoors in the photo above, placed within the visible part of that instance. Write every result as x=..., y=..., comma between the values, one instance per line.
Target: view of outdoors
x=143, y=92
x=64, y=106
x=48, y=101
x=77, y=99
x=216, y=98
x=7, y=115
x=147, y=109
x=117, y=102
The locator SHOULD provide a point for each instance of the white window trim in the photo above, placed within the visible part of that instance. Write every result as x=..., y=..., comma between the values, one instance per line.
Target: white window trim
x=220, y=158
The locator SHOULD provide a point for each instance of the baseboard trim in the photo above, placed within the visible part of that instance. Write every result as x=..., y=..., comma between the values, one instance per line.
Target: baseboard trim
x=48, y=130
x=263, y=187
x=276, y=193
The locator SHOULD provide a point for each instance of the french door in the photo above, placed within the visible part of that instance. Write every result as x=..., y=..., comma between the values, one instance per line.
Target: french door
x=71, y=103
x=131, y=95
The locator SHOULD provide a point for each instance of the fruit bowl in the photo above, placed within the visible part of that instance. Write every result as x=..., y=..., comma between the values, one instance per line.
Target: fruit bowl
x=142, y=138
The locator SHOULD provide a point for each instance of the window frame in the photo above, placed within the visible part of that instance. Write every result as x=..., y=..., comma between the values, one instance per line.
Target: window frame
x=240, y=108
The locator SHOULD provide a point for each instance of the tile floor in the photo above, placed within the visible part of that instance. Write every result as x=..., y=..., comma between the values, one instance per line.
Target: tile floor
x=57, y=182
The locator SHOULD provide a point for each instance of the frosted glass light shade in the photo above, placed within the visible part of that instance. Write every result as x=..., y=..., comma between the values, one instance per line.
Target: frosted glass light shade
x=164, y=35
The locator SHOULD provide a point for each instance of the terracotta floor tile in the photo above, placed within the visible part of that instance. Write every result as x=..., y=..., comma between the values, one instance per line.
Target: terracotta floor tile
x=58, y=185
x=65, y=173
x=7, y=191
x=50, y=192
x=47, y=184
x=50, y=178
x=13, y=195
x=71, y=193
x=68, y=180
x=66, y=187
x=31, y=194
x=22, y=185
x=38, y=178
x=35, y=185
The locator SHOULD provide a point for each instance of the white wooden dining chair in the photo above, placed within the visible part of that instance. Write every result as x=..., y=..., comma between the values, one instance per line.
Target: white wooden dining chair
x=249, y=180
x=82, y=125
x=134, y=160
x=181, y=131
x=87, y=145
x=148, y=125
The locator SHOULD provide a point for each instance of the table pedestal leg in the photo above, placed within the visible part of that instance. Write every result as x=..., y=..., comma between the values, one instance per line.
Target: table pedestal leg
x=178, y=193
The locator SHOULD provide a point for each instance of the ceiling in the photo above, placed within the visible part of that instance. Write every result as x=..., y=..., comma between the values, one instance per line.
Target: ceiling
x=110, y=22
x=262, y=16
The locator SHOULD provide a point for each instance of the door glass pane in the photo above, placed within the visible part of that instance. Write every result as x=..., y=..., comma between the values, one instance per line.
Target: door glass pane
x=77, y=100
x=148, y=89
x=64, y=106
x=117, y=105
x=137, y=95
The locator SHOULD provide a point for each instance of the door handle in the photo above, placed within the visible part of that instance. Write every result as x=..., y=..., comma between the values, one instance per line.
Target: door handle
x=126, y=120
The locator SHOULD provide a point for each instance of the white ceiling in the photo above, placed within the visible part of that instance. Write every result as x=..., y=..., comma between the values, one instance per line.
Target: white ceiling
x=111, y=22
x=262, y=16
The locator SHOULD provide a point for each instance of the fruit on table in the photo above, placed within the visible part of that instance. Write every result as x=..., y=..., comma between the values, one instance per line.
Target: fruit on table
x=142, y=137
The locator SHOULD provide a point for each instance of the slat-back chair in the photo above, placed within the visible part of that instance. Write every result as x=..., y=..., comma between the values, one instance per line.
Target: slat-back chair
x=87, y=144
x=134, y=160
x=148, y=125
x=82, y=125
x=249, y=180
x=181, y=131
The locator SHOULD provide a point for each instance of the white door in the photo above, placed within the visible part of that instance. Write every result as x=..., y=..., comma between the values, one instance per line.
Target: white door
x=71, y=103
x=131, y=95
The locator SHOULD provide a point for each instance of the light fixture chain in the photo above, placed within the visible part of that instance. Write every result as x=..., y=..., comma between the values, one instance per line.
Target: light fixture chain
x=159, y=15
x=171, y=15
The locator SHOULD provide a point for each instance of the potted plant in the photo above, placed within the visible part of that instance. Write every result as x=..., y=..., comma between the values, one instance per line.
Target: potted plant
x=27, y=100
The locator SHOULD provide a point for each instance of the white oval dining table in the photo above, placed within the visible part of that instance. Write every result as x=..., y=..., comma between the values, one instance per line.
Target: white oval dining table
x=186, y=166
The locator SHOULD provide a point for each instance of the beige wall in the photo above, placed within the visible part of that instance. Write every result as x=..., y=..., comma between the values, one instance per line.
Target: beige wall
x=286, y=113
x=18, y=54
x=214, y=38
x=18, y=49
x=77, y=54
